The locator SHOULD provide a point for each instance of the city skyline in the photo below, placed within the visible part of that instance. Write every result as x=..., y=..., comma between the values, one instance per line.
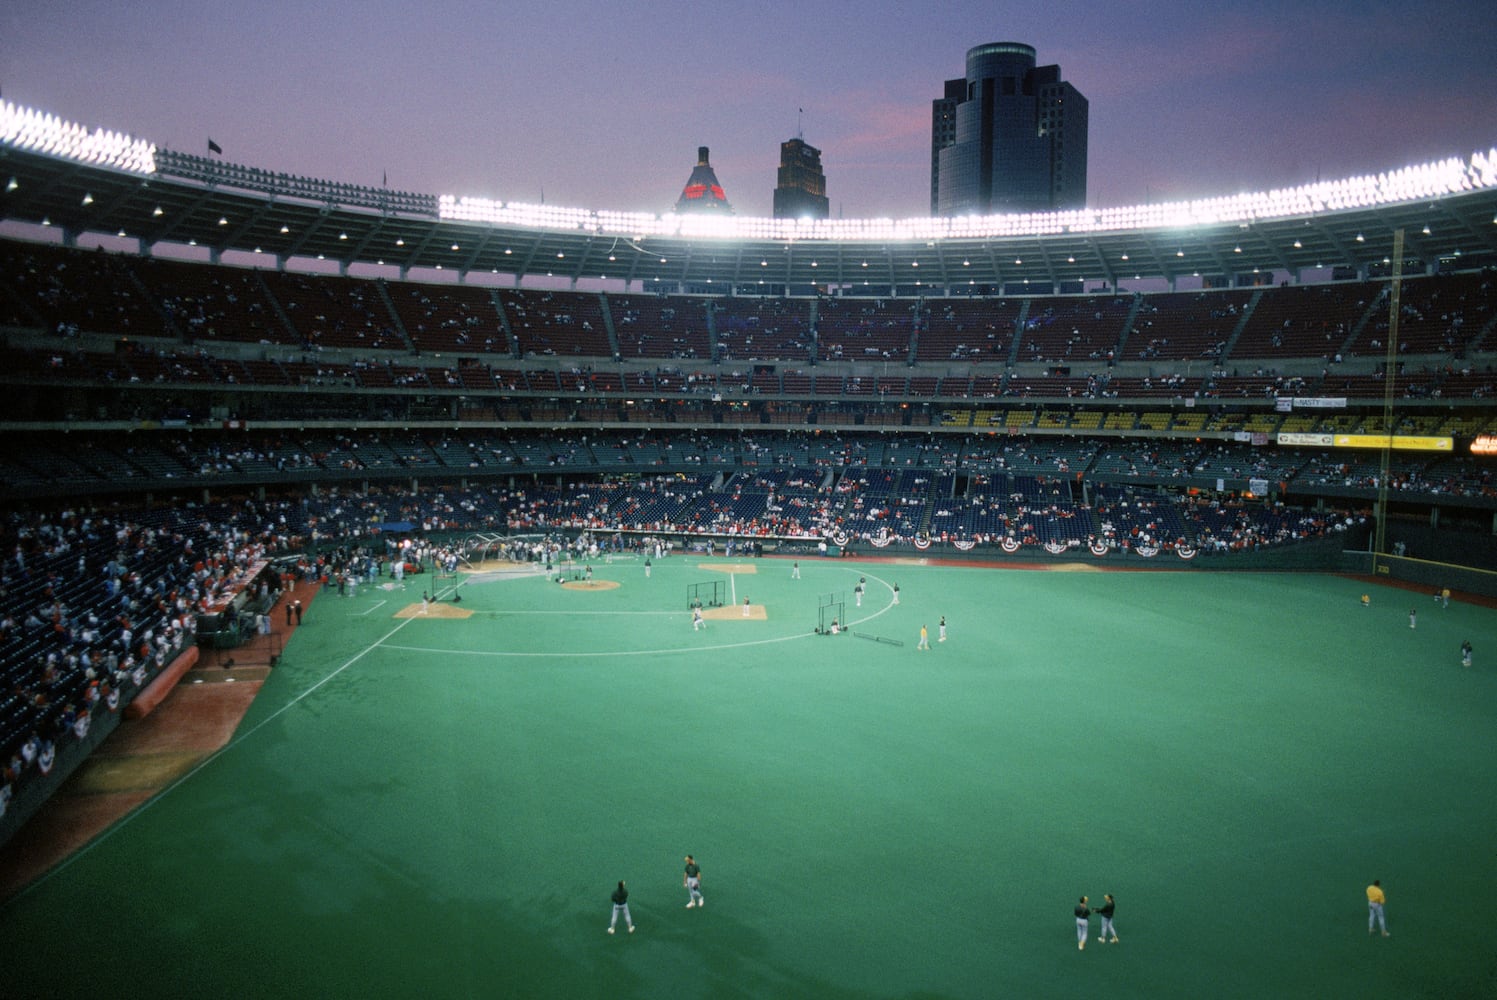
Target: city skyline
x=586, y=106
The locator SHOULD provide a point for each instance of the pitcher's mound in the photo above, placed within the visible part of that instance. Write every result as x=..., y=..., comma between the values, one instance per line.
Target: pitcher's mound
x=590, y=585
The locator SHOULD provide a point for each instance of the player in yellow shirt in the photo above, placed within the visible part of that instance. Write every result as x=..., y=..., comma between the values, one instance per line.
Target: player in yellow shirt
x=1375, y=901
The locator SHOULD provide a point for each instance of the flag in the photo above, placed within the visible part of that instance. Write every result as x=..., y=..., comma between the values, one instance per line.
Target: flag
x=214, y=147
x=385, y=179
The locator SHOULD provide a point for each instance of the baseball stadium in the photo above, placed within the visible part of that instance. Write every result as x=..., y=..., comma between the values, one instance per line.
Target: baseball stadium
x=390, y=577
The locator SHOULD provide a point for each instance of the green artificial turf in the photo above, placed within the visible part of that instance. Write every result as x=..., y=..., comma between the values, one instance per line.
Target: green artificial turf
x=440, y=808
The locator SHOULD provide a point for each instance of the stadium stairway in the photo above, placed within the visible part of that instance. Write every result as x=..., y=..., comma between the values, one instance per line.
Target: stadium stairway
x=382, y=287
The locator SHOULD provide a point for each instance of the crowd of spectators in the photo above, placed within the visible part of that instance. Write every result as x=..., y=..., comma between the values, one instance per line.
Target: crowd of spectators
x=106, y=463
x=75, y=292
x=94, y=604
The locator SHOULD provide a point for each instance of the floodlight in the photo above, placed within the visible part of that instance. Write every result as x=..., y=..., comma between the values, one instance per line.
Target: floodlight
x=26, y=128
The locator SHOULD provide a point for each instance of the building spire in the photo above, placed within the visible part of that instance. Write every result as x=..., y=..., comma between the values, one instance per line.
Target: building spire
x=702, y=192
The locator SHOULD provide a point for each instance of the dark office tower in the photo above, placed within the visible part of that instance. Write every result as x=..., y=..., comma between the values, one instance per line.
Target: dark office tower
x=943, y=133
x=800, y=186
x=1010, y=137
x=702, y=193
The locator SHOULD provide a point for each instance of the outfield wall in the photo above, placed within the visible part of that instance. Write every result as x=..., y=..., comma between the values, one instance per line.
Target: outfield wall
x=1341, y=552
x=1424, y=574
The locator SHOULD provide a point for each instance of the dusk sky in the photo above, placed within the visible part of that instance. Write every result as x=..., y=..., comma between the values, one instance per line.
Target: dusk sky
x=603, y=105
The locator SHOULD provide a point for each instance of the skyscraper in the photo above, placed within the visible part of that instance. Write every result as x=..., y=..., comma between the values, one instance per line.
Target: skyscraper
x=702, y=193
x=800, y=185
x=1009, y=137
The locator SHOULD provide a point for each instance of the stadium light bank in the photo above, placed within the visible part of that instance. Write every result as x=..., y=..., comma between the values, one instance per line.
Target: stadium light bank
x=37, y=131
x=1430, y=180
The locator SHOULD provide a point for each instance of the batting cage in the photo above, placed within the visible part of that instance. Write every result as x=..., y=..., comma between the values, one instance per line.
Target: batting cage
x=831, y=609
x=712, y=594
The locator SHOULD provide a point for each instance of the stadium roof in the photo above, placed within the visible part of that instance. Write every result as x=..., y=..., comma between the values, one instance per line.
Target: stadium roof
x=92, y=181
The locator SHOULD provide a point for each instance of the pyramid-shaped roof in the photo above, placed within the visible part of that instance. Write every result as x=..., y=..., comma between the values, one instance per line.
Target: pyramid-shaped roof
x=702, y=192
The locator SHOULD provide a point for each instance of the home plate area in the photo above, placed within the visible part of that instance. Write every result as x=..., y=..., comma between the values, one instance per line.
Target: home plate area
x=745, y=569
x=734, y=613
x=436, y=609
